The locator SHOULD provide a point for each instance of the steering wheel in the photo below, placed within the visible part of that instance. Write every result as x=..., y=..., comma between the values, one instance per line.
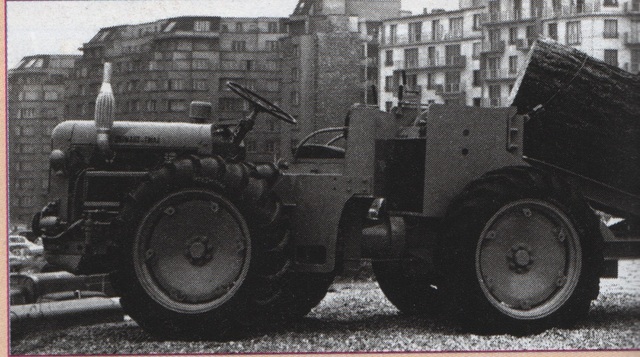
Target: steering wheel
x=260, y=103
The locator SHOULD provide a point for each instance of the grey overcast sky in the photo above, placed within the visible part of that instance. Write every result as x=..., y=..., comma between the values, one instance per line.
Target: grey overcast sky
x=61, y=27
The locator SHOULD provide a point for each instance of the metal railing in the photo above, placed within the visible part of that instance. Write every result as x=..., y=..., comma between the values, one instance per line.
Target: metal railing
x=405, y=39
x=498, y=74
x=524, y=44
x=508, y=16
x=495, y=102
x=496, y=46
x=456, y=61
x=450, y=88
x=632, y=38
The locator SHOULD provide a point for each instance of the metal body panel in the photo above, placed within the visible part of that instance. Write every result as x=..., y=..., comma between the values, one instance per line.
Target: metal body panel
x=319, y=202
x=137, y=135
x=463, y=143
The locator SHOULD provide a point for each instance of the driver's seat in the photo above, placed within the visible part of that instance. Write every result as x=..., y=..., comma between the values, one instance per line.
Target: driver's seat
x=317, y=151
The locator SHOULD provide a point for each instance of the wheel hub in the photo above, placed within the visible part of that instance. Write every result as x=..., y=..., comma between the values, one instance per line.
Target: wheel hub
x=199, y=250
x=520, y=258
x=543, y=259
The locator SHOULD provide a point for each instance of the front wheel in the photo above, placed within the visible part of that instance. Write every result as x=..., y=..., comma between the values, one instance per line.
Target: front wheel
x=520, y=253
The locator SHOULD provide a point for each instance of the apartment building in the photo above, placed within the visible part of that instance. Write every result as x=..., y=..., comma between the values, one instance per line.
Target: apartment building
x=330, y=60
x=36, y=90
x=494, y=37
x=438, y=51
x=161, y=67
x=605, y=29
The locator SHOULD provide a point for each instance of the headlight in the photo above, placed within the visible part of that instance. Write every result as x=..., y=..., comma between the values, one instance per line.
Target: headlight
x=57, y=161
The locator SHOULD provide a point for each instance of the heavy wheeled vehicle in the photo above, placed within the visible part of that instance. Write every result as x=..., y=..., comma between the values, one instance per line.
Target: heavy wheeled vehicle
x=201, y=244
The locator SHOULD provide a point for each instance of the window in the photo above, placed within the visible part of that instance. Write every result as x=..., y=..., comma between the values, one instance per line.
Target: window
x=28, y=95
x=294, y=74
x=574, y=36
x=271, y=147
x=477, y=20
x=251, y=146
x=388, y=58
x=553, y=31
x=456, y=26
x=430, y=81
x=151, y=106
x=150, y=86
x=388, y=83
x=295, y=98
x=200, y=84
x=200, y=64
x=272, y=27
x=271, y=125
x=28, y=148
x=436, y=30
x=28, y=131
x=239, y=27
x=494, y=95
x=238, y=46
x=175, y=84
x=415, y=32
x=610, y=2
x=611, y=57
x=477, y=47
x=295, y=51
x=610, y=29
x=51, y=95
x=476, y=78
x=477, y=102
x=27, y=113
x=249, y=65
x=388, y=106
x=411, y=58
x=393, y=34
x=202, y=26
x=513, y=35
x=513, y=64
x=272, y=45
x=231, y=104
x=176, y=105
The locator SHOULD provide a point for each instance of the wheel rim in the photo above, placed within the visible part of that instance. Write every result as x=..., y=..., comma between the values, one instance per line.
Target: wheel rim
x=528, y=259
x=192, y=251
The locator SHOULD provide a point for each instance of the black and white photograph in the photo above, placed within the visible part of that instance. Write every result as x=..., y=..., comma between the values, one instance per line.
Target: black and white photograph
x=312, y=176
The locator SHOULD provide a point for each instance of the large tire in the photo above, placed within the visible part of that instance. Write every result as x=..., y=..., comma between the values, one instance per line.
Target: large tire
x=409, y=283
x=520, y=252
x=204, y=251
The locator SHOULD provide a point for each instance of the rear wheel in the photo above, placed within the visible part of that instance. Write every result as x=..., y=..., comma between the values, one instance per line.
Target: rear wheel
x=520, y=252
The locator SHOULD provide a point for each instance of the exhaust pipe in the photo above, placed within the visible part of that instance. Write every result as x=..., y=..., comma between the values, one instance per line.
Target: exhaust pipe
x=104, y=113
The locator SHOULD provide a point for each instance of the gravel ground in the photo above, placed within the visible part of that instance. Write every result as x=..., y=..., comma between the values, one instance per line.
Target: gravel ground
x=357, y=317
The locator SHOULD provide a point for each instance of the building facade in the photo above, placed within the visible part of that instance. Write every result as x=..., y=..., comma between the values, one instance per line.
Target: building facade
x=162, y=66
x=494, y=38
x=36, y=93
x=330, y=60
x=439, y=52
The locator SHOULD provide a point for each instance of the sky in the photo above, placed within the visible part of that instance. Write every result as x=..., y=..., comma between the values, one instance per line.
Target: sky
x=61, y=27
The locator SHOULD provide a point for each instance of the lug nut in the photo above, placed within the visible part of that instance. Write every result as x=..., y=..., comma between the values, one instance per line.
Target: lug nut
x=170, y=211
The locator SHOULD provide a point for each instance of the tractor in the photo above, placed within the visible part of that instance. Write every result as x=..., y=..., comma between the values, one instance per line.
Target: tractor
x=200, y=243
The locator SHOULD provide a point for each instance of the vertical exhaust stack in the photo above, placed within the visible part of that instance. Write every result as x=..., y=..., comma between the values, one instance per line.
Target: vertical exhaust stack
x=104, y=113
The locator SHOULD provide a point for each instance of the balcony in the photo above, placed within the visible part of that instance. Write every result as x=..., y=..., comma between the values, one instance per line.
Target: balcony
x=633, y=67
x=370, y=62
x=495, y=102
x=524, y=44
x=450, y=89
x=632, y=8
x=509, y=16
x=584, y=9
x=424, y=37
x=493, y=47
x=187, y=34
x=499, y=74
x=457, y=61
x=632, y=38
